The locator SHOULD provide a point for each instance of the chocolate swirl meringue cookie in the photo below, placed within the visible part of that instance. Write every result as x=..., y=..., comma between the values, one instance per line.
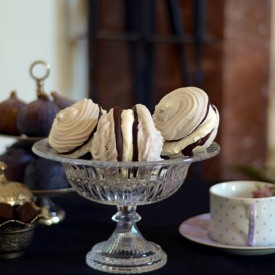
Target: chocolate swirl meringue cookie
x=73, y=128
x=187, y=121
x=127, y=135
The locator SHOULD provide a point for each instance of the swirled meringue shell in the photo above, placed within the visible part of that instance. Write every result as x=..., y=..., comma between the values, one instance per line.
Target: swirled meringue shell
x=180, y=112
x=199, y=140
x=150, y=140
x=104, y=141
x=73, y=126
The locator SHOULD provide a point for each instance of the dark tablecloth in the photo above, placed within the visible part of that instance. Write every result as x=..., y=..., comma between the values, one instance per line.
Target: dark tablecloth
x=61, y=248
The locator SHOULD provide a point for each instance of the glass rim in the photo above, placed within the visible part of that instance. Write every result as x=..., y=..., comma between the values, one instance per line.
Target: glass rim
x=44, y=150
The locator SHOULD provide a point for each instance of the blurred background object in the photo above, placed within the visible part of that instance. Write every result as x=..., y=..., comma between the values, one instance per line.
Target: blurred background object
x=39, y=29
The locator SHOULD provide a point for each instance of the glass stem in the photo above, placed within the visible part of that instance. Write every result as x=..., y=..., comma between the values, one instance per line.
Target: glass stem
x=126, y=216
x=126, y=239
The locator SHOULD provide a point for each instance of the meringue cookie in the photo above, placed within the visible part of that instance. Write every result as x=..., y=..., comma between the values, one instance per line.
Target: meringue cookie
x=73, y=128
x=127, y=135
x=180, y=112
x=187, y=121
x=198, y=140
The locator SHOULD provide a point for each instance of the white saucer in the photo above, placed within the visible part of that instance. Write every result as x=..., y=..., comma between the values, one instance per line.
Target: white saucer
x=196, y=230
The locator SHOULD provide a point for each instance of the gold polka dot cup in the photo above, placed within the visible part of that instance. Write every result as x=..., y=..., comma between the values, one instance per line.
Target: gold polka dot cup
x=243, y=213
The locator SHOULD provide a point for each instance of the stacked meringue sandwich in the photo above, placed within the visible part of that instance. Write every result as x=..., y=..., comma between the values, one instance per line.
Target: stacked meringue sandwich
x=184, y=121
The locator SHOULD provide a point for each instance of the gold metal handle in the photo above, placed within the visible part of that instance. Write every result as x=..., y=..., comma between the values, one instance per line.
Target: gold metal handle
x=3, y=167
x=40, y=79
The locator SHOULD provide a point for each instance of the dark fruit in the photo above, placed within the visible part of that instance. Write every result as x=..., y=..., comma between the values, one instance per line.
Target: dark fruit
x=16, y=159
x=24, y=144
x=43, y=174
x=36, y=118
x=8, y=118
x=60, y=101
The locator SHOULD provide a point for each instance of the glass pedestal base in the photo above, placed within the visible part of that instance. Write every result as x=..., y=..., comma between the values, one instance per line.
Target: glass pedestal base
x=126, y=264
x=126, y=251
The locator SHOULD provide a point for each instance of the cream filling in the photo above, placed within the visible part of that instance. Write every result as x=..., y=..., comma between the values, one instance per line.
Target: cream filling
x=127, y=120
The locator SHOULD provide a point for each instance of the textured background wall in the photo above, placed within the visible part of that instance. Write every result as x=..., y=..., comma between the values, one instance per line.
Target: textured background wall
x=235, y=64
x=245, y=84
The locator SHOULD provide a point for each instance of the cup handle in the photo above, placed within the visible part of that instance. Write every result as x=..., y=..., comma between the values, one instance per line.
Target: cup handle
x=251, y=224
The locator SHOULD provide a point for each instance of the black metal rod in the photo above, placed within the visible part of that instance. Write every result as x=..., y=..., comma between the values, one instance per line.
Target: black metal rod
x=178, y=30
x=139, y=23
x=133, y=27
x=93, y=12
x=199, y=23
x=148, y=14
x=135, y=37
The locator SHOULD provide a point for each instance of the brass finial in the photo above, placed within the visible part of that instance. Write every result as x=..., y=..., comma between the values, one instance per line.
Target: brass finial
x=3, y=167
x=40, y=79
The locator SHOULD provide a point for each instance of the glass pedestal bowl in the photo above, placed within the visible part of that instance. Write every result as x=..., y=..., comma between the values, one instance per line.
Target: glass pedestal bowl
x=126, y=185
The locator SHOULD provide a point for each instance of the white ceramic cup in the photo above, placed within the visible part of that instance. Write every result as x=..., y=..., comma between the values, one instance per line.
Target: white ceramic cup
x=237, y=218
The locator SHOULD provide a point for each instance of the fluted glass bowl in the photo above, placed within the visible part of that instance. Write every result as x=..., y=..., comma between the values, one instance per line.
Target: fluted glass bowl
x=126, y=185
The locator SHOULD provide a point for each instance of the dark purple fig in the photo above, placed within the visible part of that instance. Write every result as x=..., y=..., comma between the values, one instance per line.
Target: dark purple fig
x=36, y=118
x=60, y=101
x=43, y=174
x=24, y=144
x=16, y=159
x=8, y=118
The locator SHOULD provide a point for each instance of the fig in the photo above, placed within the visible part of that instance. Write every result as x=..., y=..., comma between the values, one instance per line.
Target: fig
x=60, y=101
x=16, y=159
x=9, y=110
x=24, y=144
x=36, y=118
x=43, y=174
